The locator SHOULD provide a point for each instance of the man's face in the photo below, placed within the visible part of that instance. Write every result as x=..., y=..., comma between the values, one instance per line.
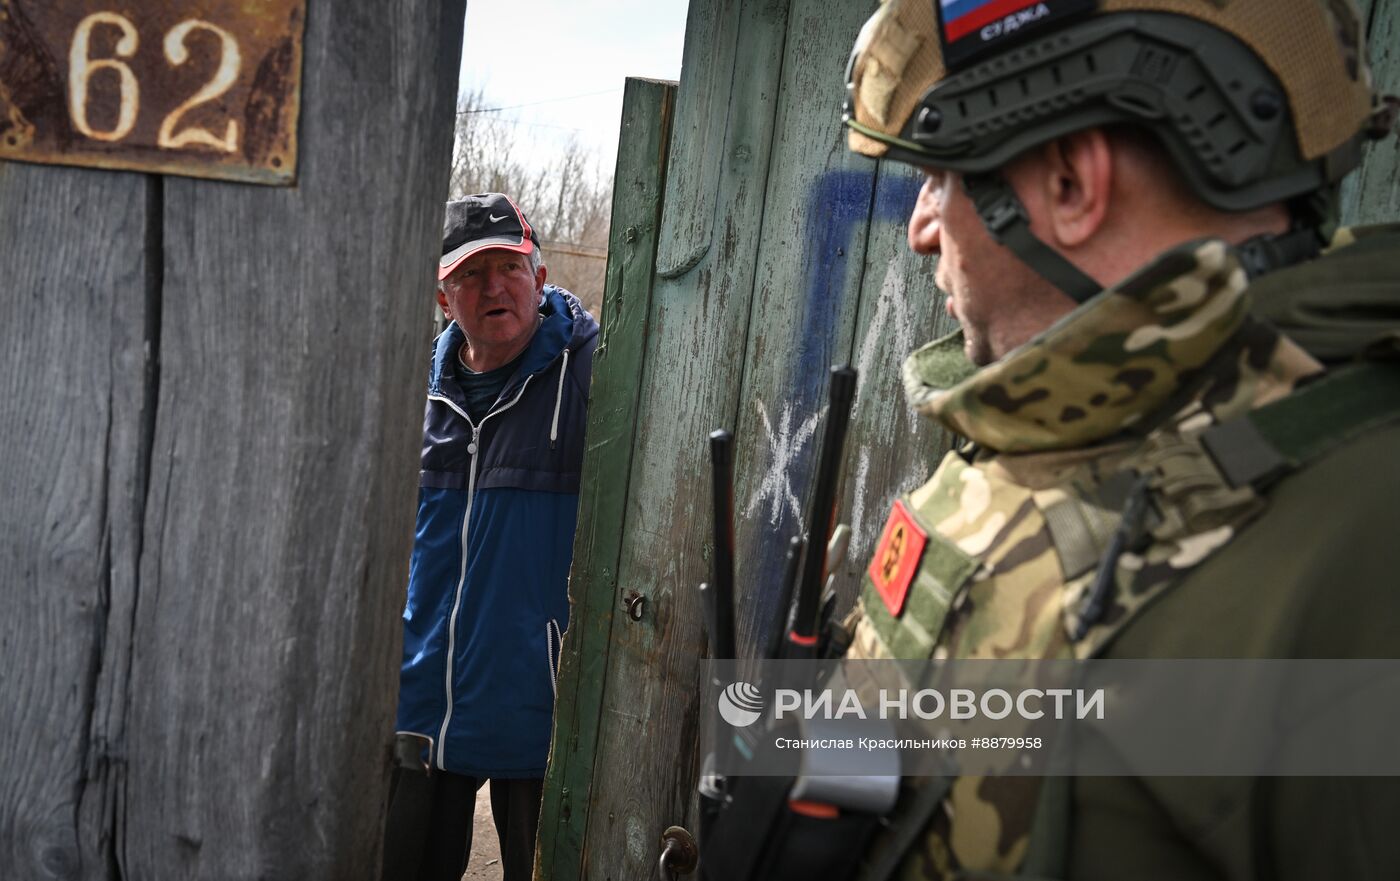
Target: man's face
x=494, y=296
x=990, y=292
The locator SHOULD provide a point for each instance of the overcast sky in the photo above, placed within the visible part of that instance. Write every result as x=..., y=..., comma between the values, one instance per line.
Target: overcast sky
x=566, y=61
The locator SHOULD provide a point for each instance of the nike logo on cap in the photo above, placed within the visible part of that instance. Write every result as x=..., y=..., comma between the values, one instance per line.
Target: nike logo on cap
x=494, y=219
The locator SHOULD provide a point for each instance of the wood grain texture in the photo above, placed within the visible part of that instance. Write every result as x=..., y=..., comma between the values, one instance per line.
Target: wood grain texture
x=215, y=397
x=75, y=414
x=647, y=756
x=647, y=115
x=691, y=189
x=890, y=449
x=806, y=292
x=1372, y=194
x=836, y=283
x=293, y=356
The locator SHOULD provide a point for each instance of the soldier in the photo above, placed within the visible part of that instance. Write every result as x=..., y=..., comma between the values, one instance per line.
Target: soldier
x=1181, y=428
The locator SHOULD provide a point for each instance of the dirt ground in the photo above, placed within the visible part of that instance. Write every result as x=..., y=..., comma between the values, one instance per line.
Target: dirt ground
x=485, y=862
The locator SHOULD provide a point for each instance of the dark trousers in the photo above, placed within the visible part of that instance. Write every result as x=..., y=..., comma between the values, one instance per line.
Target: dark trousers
x=428, y=835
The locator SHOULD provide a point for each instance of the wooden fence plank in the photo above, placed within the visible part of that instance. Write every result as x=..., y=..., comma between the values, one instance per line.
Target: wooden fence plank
x=806, y=294
x=831, y=286
x=890, y=449
x=293, y=354
x=644, y=141
x=691, y=384
x=701, y=108
x=1372, y=194
x=76, y=280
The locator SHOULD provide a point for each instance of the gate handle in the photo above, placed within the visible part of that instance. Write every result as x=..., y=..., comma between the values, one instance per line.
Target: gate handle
x=679, y=855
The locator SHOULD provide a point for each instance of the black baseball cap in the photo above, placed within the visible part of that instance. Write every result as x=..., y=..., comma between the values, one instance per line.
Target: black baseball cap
x=486, y=220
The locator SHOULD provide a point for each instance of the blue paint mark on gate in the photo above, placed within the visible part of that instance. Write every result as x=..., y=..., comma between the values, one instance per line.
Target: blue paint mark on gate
x=838, y=204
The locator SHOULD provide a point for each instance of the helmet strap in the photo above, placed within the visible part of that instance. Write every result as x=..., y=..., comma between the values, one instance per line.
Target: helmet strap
x=1266, y=253
x=1009, y=224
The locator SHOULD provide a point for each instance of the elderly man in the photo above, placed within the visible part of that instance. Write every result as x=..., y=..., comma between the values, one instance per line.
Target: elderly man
x=1131, y=203
x=487, y=594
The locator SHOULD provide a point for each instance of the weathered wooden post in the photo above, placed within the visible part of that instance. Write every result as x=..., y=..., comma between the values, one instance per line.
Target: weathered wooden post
x=212, y=397
x=1372, y=194
x=647, y=117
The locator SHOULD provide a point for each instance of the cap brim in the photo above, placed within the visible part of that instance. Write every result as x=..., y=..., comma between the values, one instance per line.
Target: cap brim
x=452, y=259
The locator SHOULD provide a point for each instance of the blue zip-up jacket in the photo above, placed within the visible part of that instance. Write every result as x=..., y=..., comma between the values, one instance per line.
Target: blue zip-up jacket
x=488, y=582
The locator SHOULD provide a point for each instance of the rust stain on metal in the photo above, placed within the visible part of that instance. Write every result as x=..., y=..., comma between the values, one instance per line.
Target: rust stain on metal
x=203, y=88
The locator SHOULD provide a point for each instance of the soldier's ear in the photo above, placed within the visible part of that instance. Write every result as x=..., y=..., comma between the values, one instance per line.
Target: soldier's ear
x=1076, y=182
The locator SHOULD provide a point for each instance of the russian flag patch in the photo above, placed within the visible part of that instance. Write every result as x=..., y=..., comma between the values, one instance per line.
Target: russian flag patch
x=971, y=26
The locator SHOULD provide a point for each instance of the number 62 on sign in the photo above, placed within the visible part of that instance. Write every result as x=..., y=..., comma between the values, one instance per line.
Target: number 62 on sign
x=208, y=89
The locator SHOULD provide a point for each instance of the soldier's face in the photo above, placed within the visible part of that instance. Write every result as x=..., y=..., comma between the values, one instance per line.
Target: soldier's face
x=989, y=290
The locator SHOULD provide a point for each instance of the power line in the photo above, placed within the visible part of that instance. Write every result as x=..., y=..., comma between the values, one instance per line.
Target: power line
x=576, y=249
x=562, y=128
x=537, y=103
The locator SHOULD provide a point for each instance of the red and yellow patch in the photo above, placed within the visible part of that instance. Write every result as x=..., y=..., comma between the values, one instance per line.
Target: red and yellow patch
x=897, y=557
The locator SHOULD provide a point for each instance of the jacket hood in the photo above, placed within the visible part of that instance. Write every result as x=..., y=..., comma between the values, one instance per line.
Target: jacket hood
x=1116, y=361
x=565, y=324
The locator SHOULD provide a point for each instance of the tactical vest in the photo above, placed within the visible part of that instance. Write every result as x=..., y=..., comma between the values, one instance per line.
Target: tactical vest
x=1048, y=554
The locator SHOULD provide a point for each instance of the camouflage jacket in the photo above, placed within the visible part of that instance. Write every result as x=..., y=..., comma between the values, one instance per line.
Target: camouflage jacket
x=1107, y=403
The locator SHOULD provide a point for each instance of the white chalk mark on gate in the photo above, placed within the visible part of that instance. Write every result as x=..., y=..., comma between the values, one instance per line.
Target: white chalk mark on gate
x=783, y=447
x=890, y=302
x=891, y=320
x=858, y=550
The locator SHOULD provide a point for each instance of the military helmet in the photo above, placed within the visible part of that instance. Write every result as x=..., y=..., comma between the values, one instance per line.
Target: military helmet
x=1255, y=101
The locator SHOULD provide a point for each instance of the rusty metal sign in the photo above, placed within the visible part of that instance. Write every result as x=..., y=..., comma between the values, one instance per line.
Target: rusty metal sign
x=205, y=88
